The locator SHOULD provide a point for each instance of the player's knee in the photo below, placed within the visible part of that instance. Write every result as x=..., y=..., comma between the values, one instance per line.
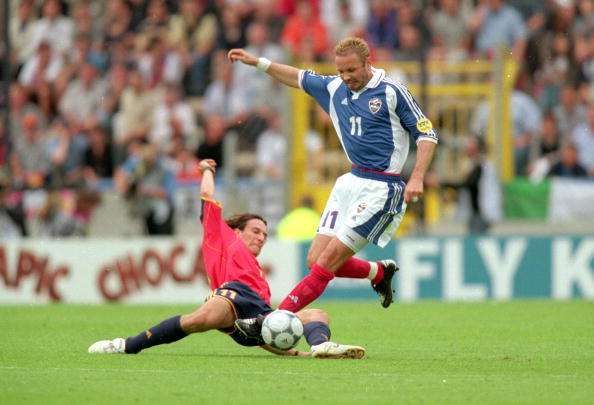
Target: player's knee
x=311, y=259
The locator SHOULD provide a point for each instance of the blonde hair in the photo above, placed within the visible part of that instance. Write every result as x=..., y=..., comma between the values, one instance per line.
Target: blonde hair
x=353, y=45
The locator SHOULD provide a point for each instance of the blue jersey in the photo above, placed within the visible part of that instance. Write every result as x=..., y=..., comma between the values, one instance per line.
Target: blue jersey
x=374, y=123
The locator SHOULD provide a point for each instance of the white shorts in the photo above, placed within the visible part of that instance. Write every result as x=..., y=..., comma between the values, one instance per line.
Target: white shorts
x=361, y=210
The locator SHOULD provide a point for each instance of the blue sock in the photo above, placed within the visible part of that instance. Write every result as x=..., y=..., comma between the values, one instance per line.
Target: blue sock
x=167, y=331
x=316, y=333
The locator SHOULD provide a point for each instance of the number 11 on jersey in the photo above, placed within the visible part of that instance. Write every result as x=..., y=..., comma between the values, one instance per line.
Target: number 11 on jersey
x=355, y=125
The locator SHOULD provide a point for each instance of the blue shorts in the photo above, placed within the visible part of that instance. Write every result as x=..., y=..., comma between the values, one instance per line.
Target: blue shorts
x=246, y=304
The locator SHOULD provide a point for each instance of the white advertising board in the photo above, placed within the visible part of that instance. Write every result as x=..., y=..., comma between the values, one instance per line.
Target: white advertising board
x=143, y=270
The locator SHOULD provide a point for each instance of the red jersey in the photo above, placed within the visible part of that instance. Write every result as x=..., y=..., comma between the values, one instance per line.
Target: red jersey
x=226, y=256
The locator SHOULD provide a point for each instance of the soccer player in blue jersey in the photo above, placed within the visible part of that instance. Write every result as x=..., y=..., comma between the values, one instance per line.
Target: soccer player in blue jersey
x=374, y=117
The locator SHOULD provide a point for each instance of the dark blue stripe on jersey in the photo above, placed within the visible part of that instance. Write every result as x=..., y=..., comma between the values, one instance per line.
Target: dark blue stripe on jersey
x=374, y=174
x=366, y=228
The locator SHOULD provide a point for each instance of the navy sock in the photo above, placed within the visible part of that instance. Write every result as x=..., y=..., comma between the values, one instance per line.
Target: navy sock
x=316, y=333
x=167, y=331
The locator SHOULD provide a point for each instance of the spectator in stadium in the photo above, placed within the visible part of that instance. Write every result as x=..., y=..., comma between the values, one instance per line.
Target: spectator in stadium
x=558, y=68
x=173, y=122
x=66, y=148
x=230, y=249
x=13, y=223
x=53, y=27
x=367, y=204
x=496, y=23
x=583, y=139
x=381, y=25
x=117, y=21
x=130, y=123
x=161, y=63
x=146, y=179
x=262, y=92
x=342, y=18
x=55, y=217
x=305, y=32
x=214, y=134
x=225, y=96
x=30, y=161
x=82, y=99
x=156, y=21
x=38, y=74
x=117, y=81
x=545, y=148
x=569, y=112
x=194, y=28
x=84, y=22
x=448, y=27
x=98, y=157
x=19, y=106
x=301, y=223
x=271, y=150
x=271, y=17
x=410, y=46
x=568, y=165
x=20, y=31
x=526, y=121
x=482, y=185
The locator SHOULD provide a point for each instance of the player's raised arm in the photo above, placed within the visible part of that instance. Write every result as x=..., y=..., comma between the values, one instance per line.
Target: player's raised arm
x=207, y=186
x=285, y=74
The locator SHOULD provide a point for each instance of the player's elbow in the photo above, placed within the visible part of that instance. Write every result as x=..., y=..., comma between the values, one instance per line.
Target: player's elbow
x=205, y=195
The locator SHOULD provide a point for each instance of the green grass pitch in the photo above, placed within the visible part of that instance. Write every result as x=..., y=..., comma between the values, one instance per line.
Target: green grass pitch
x=427, y=352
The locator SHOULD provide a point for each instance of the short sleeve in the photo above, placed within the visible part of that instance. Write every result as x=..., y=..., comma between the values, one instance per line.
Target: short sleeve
x=216, y=230
x=316, y=86
x=412, y=118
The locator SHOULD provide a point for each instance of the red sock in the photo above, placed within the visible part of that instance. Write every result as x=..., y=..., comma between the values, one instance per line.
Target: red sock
x=357, y=268
x=354, y=268
x=310, y=288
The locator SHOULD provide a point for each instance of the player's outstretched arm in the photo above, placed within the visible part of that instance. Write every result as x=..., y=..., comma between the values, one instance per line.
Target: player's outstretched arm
x=414, y=187
x=207, y=186
x=290, y=352
x=285, y=74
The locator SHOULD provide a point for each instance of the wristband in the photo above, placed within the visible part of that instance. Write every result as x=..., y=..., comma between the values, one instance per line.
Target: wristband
x=263, y=64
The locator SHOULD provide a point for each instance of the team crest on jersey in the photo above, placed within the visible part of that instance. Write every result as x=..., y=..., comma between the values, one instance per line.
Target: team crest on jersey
x=424, y=125
x=375, y=104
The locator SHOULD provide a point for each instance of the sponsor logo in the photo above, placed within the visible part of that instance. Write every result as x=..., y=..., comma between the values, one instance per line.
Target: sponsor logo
x=293, y=298
x=344, y=101
x=375, y=104
x=361, y=207
x=424, y=125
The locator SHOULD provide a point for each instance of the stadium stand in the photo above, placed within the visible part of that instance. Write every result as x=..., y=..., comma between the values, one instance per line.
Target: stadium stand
x=91, y=82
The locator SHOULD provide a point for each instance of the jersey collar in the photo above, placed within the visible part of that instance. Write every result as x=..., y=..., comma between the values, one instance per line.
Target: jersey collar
x=378, y=76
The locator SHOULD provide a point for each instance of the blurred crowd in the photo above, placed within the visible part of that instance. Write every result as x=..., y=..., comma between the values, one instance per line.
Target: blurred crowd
x=138, y=91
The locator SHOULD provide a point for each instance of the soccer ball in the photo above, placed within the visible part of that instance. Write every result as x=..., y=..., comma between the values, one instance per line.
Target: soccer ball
x=282, y=329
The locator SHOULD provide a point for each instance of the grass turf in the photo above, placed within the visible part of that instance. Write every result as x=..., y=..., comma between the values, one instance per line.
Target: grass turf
x=522, y=351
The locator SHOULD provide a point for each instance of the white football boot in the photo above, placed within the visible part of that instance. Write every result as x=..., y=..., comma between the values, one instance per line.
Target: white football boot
x=331, y=350
x=118, y=345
